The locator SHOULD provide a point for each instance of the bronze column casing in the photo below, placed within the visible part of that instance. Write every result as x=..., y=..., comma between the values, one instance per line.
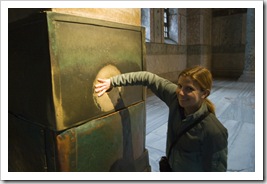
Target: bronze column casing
x=54, y=60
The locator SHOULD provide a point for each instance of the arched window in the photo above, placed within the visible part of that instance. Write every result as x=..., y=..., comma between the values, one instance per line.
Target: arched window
x=161, y=25
x=171, y=25
x=166, y=22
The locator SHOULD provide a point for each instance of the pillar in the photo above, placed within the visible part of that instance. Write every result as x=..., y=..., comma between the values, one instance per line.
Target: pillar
x=249, y=65
x=199, y=37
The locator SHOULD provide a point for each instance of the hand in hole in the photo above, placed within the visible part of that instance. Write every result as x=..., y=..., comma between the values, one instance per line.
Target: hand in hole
x=103, y=86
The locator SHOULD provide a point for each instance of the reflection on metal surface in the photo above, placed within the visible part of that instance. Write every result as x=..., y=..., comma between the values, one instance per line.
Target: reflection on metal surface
x=108, y=101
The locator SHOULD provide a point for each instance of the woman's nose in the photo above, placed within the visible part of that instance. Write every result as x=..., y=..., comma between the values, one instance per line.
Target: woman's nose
x=179, y=92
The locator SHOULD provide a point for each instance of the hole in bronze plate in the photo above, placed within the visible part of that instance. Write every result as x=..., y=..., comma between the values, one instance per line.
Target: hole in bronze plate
x=107, y=101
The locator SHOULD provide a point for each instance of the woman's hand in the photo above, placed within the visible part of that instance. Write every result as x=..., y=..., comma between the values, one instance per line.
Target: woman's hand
x=103, y=86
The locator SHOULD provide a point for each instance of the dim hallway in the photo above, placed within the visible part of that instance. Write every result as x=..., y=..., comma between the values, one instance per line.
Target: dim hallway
x=235, y=108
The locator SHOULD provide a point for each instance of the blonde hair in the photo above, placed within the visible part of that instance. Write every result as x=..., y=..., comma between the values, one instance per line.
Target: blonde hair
x=203, y=77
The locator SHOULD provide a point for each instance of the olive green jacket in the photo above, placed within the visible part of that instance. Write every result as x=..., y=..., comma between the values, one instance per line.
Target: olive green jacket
x=202, y=148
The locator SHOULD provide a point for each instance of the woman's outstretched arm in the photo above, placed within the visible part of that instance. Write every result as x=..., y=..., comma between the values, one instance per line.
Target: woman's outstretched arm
x=161, y=87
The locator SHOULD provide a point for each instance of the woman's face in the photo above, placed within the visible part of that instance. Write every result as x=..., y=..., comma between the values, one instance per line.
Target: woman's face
x=190, y=95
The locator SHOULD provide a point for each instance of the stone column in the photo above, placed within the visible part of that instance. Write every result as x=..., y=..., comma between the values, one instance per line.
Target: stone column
x=156, y=25
x=249, y=65
x=199, y=37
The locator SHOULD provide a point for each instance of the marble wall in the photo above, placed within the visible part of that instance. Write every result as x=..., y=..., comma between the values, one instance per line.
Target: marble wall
x=130, y=16
x=228, y=42
x=198, y=37
x=164, y=58
x=214, y=38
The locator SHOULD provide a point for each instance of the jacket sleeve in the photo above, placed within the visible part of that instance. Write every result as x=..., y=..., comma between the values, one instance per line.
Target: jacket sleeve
x=215, y=153
x=161, y=87
x=219, y=161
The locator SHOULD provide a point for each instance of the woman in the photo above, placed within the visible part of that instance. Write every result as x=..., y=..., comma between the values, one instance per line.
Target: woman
x=204, y=146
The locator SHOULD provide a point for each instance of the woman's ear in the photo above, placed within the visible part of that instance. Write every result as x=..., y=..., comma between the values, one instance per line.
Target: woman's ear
x=206, y=93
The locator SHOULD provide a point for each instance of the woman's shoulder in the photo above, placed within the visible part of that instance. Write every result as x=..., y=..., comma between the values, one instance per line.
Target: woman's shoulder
x=215, y=134
x=213, y=125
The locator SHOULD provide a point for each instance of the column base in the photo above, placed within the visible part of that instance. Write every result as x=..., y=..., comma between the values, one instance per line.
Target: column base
x=247, y=76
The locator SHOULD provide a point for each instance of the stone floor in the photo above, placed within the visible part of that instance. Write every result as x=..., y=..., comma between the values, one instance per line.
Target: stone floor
x=235, y=108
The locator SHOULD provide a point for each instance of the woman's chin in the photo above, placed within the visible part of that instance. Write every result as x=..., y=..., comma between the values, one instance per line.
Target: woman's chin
x=182, y=103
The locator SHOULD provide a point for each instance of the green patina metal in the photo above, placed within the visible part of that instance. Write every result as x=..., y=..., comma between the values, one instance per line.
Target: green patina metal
x=53, y=62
